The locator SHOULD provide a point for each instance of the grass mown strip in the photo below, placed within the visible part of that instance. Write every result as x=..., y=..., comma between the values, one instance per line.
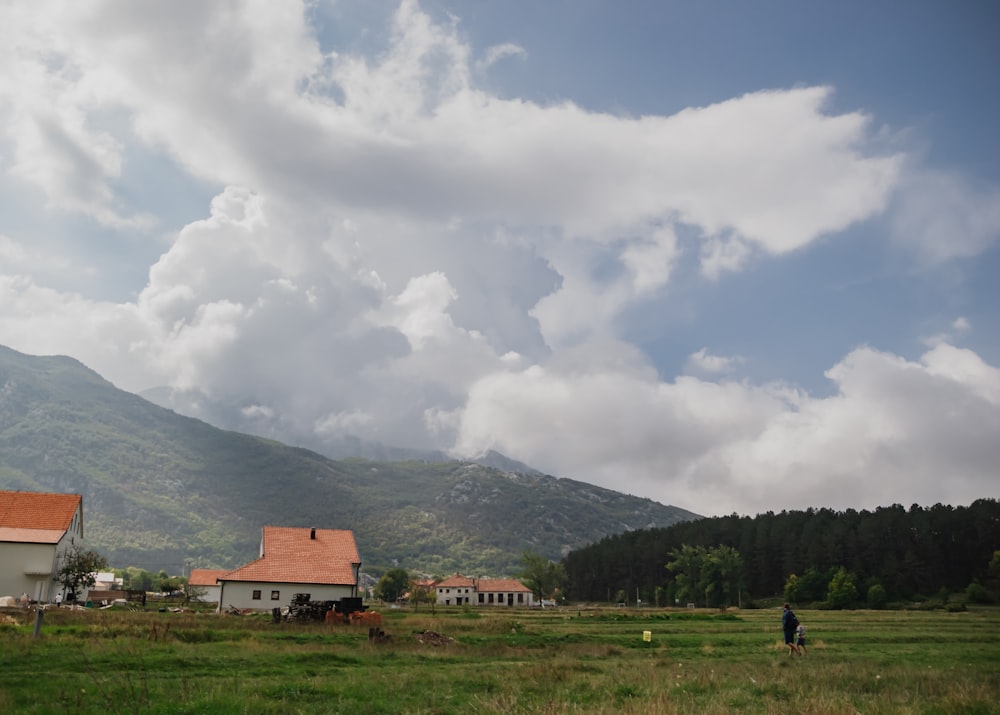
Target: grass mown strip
x=557, y=661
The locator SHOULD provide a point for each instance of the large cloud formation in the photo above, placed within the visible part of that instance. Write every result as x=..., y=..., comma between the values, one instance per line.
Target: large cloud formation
x=395, y=254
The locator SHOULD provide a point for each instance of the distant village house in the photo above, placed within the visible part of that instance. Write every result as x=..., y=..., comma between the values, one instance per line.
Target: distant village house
x=459, y=590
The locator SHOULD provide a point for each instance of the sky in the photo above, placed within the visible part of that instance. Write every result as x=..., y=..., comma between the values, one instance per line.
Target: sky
x=734, y=257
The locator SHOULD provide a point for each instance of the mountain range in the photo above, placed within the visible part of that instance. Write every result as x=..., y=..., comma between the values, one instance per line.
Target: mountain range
x=167, y=492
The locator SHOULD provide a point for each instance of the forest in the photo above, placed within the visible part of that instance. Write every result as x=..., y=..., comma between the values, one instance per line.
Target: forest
x=902, y=554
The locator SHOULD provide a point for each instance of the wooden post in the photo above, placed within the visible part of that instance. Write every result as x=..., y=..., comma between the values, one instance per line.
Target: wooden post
x=39, y=612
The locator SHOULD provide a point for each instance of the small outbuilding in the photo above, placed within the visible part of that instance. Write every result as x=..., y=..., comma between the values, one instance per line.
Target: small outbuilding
x=206, y=584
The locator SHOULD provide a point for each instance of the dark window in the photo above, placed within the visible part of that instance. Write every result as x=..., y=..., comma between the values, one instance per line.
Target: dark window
x=275, y=595
x=256, y=594
x=481, y=597
x=520, y=598
x=491, y=598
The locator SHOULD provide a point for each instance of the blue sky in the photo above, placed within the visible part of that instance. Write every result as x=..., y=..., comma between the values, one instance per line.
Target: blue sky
x=730, y=256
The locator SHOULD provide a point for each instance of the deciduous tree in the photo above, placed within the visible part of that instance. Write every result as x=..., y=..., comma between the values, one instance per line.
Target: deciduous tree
x=842, y=592
x=545, y=578
x=77, y=569
x=393, y=584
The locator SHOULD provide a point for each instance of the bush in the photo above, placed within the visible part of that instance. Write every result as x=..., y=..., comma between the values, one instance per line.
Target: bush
x=977, y=593
x=877, y=597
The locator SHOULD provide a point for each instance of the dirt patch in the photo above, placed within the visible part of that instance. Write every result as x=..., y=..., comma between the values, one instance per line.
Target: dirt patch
x=432, y=638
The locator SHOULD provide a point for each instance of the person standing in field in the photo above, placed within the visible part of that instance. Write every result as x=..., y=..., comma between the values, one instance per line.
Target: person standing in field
x=789, y=623
x=800, y=639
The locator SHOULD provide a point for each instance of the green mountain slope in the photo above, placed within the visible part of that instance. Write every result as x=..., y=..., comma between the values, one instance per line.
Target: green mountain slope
x=165, y=491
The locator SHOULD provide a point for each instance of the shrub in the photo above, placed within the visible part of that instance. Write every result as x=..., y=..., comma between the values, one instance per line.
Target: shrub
x=977, y=593
x=877, y=597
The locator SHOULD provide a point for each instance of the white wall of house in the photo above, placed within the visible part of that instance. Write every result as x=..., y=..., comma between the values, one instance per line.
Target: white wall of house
x=27, y=568
x=240, y=594
x=210, y=594
x=452, y=596
x=521, y=599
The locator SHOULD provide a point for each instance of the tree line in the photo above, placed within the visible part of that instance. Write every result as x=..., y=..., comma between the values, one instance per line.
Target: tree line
x=900, y=553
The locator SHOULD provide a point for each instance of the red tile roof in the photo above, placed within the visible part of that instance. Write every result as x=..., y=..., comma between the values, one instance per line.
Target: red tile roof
x=507, y=585
x=484, y=585
x=205, y=577
x=457, y=581
x=33, y=516
x=291, y=556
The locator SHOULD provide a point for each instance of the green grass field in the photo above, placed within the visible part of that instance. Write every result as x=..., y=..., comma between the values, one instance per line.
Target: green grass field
x=557, y=661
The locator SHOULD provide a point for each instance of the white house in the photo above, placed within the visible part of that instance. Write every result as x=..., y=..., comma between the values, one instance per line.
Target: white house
x=207, y=581
x=35, y=530
x=459, y=590
x=107, y=581
x=321, y=562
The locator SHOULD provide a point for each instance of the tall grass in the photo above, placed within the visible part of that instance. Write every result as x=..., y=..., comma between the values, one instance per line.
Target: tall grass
x=560, y=662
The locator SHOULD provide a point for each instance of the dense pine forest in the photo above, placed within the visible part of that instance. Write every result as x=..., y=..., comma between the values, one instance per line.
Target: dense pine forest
x=902, y=553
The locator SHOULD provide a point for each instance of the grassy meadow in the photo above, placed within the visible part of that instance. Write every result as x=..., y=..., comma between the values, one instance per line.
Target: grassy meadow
x=554, y=661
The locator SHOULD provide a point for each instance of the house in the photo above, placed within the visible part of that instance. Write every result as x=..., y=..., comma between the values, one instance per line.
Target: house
x=206, y=581
x=459, y=590
x=321, y=562
x=35, y=530
x=106, y=581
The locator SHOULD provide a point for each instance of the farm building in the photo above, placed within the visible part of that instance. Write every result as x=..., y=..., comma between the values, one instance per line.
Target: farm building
x=321, y=562
x=206, y=581
x=459, y=590
x=35, y=530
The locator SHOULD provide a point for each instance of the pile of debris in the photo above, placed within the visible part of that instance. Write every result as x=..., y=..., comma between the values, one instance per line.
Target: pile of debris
x=360, y=618
x=304, y=609
x=432, y=638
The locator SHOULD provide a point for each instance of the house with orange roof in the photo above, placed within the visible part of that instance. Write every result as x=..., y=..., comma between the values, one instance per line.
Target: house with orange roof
x=321, y=562
x=206, y=584
x=460, y=590
x=35, y=530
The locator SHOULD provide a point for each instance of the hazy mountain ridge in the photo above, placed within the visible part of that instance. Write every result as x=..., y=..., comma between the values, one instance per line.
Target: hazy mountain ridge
x=166, y=491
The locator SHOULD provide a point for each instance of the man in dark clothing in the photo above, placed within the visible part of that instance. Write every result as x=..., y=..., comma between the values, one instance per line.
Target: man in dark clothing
x=788, y=625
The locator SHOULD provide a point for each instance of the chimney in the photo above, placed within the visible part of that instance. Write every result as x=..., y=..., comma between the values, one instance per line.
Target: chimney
x=312, y=533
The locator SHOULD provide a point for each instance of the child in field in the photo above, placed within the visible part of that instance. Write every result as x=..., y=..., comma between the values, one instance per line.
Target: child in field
x=800, y=639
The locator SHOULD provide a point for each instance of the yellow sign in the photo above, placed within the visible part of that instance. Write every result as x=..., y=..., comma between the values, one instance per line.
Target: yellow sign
x=647, y=636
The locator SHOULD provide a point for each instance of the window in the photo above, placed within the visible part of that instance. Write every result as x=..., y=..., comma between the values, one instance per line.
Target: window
x=491, y=598
x=481, y=597
x=520, y=598
x=256, y=594
x=275, y=595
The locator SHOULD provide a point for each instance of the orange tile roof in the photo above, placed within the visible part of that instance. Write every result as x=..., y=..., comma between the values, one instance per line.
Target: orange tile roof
x=488, y=585
x=457, y=581
x=291, y=556
x=205, y=577
x=484, y=585
x=37, y=510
